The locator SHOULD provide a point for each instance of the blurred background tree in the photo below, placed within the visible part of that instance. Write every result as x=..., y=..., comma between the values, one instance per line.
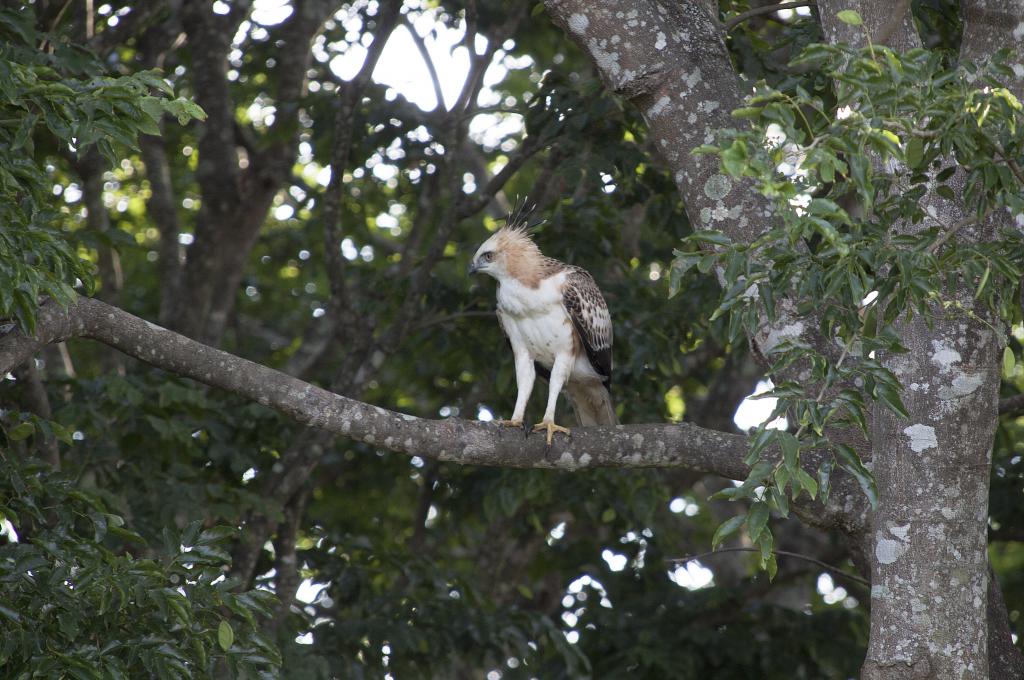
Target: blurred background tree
x=317, y=216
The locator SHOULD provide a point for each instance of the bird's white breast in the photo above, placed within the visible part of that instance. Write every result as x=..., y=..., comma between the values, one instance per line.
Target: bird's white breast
x=536, y=318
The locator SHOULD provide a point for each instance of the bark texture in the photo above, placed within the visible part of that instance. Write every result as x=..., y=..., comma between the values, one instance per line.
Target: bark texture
x=929, y=562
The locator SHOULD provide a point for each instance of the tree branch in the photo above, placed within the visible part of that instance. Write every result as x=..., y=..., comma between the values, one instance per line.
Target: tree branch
x=951, y=229
x=456, y=127
x=470, y=205
x=1011, y=406
x=765, y=9
x=785, y=553
x=421, y=45
x=452, y=440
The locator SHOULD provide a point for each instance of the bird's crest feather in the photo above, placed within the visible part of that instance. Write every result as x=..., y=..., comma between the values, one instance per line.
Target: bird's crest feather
x=516, y=237
x=521, y=217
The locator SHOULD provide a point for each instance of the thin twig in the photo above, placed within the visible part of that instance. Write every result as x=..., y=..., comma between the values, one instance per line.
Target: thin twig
x=1010, y=163
x=484, y=110
x=842, y=357
x=44, y=45
x=470, y=205
x=952, y=229
x=1015, y=169
x=766, y=9
x=1012, y=405
x=782, y=553
x=421, y=45
x=451, y=317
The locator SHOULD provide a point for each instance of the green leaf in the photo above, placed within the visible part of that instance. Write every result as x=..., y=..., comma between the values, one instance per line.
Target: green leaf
x=851, y=17
x=126, y=534
x=62, y=433
x=756, y=520
x=156, y=80
x=225, y=635
x=790, y=451
x=807, y=482
x=782, y=477
x=779, y=501
x=915, y=152
x=734, y=158
x=747, y=112
x=761, y=440
x=1009, y=362
x=850, y=461
x=983, y=282
x=891, y=136
x=21, y=431
x=23, y=136
x=891, y=398
x=827, y=171
x=727, y=529
x=682, y=263
x=824, y=479
x=712, y=236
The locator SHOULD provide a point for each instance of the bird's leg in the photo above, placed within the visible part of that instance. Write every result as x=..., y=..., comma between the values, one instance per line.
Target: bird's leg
x=559, y=374
x=525, y=374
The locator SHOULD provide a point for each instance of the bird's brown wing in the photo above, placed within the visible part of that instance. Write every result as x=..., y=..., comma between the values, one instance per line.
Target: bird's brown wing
x=591, y=319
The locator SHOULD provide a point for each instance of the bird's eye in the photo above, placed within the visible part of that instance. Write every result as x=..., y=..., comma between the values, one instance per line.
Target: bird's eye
x=488, y=256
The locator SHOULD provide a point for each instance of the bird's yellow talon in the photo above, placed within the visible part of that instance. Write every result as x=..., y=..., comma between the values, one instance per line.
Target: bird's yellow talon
x=550, y=428
x=509, y=423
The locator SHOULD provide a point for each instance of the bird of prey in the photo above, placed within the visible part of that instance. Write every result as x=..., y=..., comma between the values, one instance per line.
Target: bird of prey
x=557, y=323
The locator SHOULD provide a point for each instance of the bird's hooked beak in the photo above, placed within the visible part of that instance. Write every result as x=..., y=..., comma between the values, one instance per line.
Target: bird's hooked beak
x=473, y=267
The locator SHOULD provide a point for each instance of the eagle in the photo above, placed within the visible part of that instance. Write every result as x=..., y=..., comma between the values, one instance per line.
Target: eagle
x=557, y=323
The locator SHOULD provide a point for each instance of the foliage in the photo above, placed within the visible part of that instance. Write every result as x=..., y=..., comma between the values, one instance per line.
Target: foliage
x=442, y=621
x=52, y=88
x=385, y=541
x=855, y=242
x=87, y=597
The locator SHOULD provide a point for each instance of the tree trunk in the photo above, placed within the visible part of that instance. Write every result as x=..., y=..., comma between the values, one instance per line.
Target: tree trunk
x=929, y=566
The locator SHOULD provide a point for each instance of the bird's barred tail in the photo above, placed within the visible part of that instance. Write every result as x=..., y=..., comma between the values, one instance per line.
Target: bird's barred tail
x=592, y=405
